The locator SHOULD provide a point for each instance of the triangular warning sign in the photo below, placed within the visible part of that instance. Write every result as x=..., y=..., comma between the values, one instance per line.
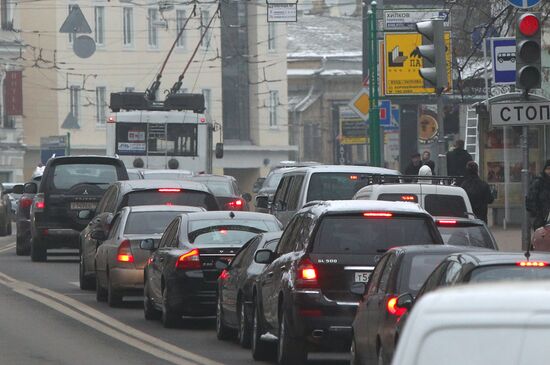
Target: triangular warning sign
x=75, y=22
x=70, y=122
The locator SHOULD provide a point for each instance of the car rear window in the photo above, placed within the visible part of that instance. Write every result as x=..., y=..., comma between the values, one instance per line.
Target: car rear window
x=166, y=175
x=466, y=236
x=224, y=231
x=335, y=185
x=184, y=197
x=360, y=235
x=65, y=176
x=416, y=270
x=445, y=205
x=149, y=222
x=222, y=188
x=509, y=273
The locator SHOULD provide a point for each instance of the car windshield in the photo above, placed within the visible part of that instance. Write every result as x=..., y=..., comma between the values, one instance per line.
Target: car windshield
x=336, y=185
x=511, y=272
x=184, y=197
x=416, y=270
x=149, y=222
x=360, y=235
x=66, y=176
x=445, y=205
x=234, y=231
x=272, y=180
x=466, y=236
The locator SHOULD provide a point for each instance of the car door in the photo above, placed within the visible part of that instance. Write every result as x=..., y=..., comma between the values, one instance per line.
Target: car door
x=98, y=222
x=105, y=250
x=291, y=201
x=158, y=261
x=278, y=207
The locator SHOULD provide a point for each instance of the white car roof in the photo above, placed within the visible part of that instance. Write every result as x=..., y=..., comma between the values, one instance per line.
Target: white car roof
x=412, y=189
x=346, y=168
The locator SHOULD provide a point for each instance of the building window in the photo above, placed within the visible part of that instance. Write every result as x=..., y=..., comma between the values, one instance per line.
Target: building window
x=153, y=32
x=207, y=99
x=205, y=19
x=6, y=13
x=99, y=16
x=128, y=25
x=271, y=36
x=101, y=105
x=180, y=21
x=75, y=103
x=71, y=35
x=273, y=104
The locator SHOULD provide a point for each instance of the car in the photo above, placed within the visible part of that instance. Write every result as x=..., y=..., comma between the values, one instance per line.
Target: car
x=324, y=182
x=269, y=186
x=480, y=267
x=504, y=323
x=234, y=310
x=5, y=212
x=166, y=174
x=13, y=196
x=303, y=295
x=70, y=187
x=225, y=189
x=23, y=217
x=438, y=200
x=465, y=232
x=400, y=270
x=120, y=259
x=181, y=275
x=131, y=193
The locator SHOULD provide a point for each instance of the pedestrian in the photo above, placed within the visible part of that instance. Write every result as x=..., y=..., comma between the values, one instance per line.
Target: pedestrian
x=427, y=161
x=414, y=165
x=538, y=197
x=457, y=160
x=479, y=192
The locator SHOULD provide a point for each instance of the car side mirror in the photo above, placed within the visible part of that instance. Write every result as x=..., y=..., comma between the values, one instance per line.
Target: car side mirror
x=247, y=197
x=30, y=188
x=147, y=244
x=358, y=289
x=84, y=214
x=219, y=150
x=264, y=257
x=262, y=201
x=221, y=264
x=98, y=235
x=405, y=301
x=18, y=189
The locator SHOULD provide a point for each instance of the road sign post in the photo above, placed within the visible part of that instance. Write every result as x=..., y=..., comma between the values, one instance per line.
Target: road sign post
x=374, y=114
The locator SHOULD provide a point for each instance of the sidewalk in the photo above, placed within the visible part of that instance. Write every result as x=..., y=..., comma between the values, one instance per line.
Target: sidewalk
x=509, y=239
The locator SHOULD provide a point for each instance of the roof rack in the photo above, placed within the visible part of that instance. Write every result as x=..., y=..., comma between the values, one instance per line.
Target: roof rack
x=412, y=179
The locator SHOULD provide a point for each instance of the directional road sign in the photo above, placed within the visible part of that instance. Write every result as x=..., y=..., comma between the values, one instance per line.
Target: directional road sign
x=503, y=51
x=524, y=3
x=360, y=104
x=520, y=114
x=405, y=20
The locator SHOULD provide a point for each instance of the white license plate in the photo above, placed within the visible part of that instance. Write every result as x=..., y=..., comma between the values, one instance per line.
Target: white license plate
x=362, y=277
x=83, y=205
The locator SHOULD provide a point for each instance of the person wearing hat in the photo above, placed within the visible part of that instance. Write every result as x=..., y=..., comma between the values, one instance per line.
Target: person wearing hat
x=478, y=191
x=537, y=201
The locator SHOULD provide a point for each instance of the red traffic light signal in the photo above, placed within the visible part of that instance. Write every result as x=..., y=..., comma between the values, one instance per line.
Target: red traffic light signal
x=528, y=25
x=528, y=51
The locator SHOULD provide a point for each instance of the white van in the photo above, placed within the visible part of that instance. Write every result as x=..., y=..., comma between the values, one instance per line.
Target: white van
x=438, y=200
x=487, y=324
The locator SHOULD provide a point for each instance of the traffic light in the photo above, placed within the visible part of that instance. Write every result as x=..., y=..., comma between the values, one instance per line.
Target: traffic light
x=433, y=52
x=528, y=51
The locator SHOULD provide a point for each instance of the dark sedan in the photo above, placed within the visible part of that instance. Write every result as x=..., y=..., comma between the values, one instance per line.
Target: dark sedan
x=181, y=275
x=226, y=190
x=235, y=305
x=400, y=270
x=465, y=232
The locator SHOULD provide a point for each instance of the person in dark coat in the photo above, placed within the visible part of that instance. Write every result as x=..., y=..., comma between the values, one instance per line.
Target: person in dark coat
x=414, y=165
x=537, y=201
x=427, y=161
x=478, y=191
x=457, y=160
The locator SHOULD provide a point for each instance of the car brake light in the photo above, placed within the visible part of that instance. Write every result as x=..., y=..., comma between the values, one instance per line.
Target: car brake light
x=306, y=274
x=25, y=203
x=169, y=190
x=408, y=198
x=189, y=261
x=393, y=308
x=532, y=263
x=124, y=253
x=224, y=275
x=235, y=204
x=354, y=177
x=447, y=222
x=377, y=215
x=39, y=203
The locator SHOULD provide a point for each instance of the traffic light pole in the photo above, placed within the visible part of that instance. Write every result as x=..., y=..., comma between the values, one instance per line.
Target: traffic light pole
x=374, y=109
x=525, y=227
x=442, y=157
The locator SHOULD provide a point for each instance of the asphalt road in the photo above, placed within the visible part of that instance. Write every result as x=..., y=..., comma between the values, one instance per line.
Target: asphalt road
x=46, y=319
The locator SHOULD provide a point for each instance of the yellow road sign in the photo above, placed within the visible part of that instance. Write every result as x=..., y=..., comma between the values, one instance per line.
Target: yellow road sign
x=360, y=103
x=402, y=64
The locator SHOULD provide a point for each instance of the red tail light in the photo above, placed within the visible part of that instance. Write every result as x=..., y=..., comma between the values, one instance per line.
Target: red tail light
x=447, y=222
x=235, y=205
x=25, y=202
x=377, y=215
x=124, y=253
x=224, y=275
x=354, y=177
x=189, y=261
x=306, y=275
x=408, y=198
x=393, y=308
x=532, y=263
x=39, y=203
x=169, y=190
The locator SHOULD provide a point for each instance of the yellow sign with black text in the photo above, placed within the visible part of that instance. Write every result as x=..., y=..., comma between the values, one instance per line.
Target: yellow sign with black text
x=403, y=63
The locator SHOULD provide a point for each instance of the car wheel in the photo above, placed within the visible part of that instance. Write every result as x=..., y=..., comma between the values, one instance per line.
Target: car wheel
x=169, y=318
x=38, y=252
x=222, y=331
x=244, y=334
x=149, y=310
x=261, y=350
x=290, y=350
x=100, y=292
x=381, y=360
x=354, y=360
x=86, y=282
x=114, y=299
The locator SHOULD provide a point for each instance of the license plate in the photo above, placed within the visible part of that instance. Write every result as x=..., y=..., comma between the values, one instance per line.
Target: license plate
x=83, y=205
x=362, y=277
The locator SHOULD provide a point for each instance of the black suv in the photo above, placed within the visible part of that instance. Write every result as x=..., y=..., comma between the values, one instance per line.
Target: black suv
x=70, y=187
x=303, y=295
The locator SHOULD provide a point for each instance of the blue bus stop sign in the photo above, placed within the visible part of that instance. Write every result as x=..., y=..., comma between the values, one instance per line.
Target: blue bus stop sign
x=524, y=3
